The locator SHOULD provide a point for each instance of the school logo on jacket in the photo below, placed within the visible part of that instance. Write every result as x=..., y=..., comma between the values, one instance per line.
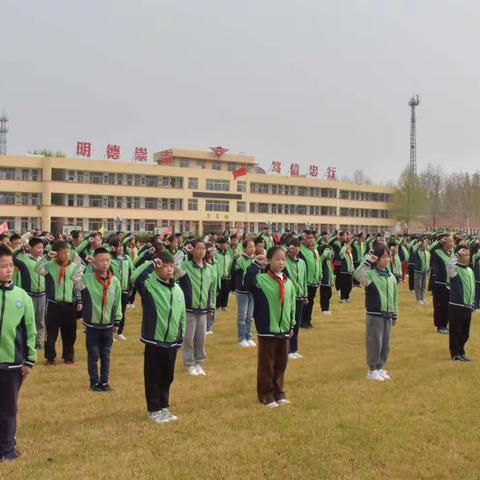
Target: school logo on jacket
x=19, y=304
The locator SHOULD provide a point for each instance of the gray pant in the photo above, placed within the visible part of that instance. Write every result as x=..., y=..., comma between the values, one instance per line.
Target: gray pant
x=39, y=306
x=420, y=281
x=377, y=339
x=194, y=340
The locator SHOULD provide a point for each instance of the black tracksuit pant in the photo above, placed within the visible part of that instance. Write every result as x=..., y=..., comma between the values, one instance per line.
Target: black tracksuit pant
x=459, y=328
x=345, y=285
x=308, y=308
x=10, y=381
x=223, y=292
x=411, y=277
x=61, y=317
x=441, y=297
x=299, y=305
x=158, y=373
x=325, y=296
x=124, y=308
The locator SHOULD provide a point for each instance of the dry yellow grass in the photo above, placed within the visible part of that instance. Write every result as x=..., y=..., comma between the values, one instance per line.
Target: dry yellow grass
x=423, y=424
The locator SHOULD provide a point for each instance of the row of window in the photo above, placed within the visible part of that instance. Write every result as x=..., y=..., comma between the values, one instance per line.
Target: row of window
x=215, y=165
x=291, y=209
x=363, y=212
x=275, y=189
x=366, y=196
x=24, y=198
x=25, y=174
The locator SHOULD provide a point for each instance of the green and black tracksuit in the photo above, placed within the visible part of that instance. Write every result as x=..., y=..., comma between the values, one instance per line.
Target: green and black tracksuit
x=274, y=313
x=476, y=271
x=438, y=261
x=122, y=268
x=461, y=304
x=61, y=299
x=326, y=279
x=297, y=273
x=345, y=274
x=198, y=285
x=223, y=265
x=163, y=327
x=311, y=258
x=17, y=350
x=240, y=267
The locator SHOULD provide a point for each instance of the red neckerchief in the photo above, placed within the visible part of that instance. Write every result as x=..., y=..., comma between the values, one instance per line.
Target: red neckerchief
x=281, y=284
x=62, y=272
x=132, y=253
x=106, y=283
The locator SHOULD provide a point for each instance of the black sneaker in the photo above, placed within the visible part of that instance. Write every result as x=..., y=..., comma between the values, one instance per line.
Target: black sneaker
x=13, y=455
x=96, y=387
x=105, y=387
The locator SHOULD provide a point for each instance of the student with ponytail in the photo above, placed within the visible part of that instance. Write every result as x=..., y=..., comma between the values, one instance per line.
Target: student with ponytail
x=274, y=313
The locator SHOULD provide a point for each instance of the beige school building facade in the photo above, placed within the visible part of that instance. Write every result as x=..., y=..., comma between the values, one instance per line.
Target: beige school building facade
x=191, y=191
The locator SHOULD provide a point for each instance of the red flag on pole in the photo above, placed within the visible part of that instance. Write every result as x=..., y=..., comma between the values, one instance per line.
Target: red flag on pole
x=4, y=227
x=239, y=172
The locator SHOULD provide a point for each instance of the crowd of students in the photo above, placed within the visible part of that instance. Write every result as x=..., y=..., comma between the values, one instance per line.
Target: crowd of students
x=47, y=284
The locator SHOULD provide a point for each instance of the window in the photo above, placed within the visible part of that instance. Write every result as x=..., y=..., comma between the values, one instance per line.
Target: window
x=263, y=208
x=151, y=181
x=79, y=200
x=96, y=200
x=184, y=162
x=96, y=177
x=150, y=203
x=80, y=177
x=129, y=202
x=119, y=202
x=171, y=203
x=136, y=202
x=240, y=207
x=119, y=178
x=25, y=200
x=129, y=179
x=150, y=225
x=7, y=174
x=94, y=224
x=301, y=209
x=7, y=198
x=201, y=163
x=110, y=224
x=259, y=188
x=71, y=200
x=192, y=204
x=216, y=166
x=192, y=183
x=36, y=174
x=111, y=179
x=25, y=174
x=241, y=186
x=36, y=199
x=302, y=191
x=231, y=167
x=217, y=206
x=111, y=203
x=218, y=185
x=136, y=225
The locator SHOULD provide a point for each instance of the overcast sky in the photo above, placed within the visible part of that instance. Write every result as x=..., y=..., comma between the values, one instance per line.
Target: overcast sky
x=308, y=81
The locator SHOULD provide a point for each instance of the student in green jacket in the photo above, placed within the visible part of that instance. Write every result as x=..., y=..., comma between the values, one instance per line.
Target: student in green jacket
x=17, y=351
x=345, y=273
x=223, y=263
x=59, y=272
x=274, y=312
x=163, y=328
x=34, y=284
x=122, y=268
x=297, y=272
x=395, y=262
x=197, y=280
x=421, y=260
x=101, y=312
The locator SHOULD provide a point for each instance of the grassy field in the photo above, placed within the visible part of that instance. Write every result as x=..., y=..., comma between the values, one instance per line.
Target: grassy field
x=423, y=424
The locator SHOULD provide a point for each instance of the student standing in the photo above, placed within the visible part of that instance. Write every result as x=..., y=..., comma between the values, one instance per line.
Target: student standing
x=101, y=312
x=223, y=264
x=345, y=273
x=476, y=270
x=421, y=260
x=461, y=302
x=381, y=300
x=163, y=327
x=274, y=300
x=297, y=272
x=17, y=351
x=326, y=279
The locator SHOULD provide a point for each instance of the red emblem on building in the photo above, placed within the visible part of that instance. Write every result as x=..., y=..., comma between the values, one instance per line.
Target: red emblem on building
x=219, y=151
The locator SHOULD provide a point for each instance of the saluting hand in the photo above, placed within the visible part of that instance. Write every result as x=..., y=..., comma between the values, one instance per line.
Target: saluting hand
x=158, y=263
x=52, y=254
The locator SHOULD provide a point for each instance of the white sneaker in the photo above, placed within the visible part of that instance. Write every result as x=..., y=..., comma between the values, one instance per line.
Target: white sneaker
x=283, y=401
x=272, y=405
x=200, y=370
x=251, y=343
x=209, y=332
x=327, y=312
x=292, y=356
x=375, y=375
x=121, y=337
x=477, y=310
x=343, y=301
x=298, y=355
x=385, y=374
x=171, y=417
x=244, y=343
x=193, y=371
x=159, y=417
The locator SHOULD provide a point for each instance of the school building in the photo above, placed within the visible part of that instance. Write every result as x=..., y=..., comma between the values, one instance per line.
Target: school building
x=191, y=191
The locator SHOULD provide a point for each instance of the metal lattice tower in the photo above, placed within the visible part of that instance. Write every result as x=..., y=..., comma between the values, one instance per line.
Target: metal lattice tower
x=413, y=102
x=3, y=134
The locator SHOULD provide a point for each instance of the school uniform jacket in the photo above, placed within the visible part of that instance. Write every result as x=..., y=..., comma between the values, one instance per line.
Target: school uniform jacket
x=462, y=284
x=28, y=279
x=198, y=285
x=297, y=273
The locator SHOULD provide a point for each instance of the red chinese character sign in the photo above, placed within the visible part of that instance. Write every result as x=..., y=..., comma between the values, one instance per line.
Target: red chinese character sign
x=331, y=173
x=219, y=151
x=166, y=157
x=313, y=171
x=84, y=149
x=112, y=152
x=140, y=154
x=294, y=169
x=276, y=167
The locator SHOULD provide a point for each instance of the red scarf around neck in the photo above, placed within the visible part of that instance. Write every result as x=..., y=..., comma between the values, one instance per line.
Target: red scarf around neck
x=281, y=284
x=62, y=272
x=106, y=283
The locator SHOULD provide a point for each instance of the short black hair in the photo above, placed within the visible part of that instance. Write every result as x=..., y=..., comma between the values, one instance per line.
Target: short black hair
x=35, y=241
x=59, y=245
x=115, y=242
x=246, y=242
x=5, y=251
x=99, y=251
x=258, y=241
x=196, y=241
x=75, y=234
x=165, y=256
x=222, y=240
x=272, y=251
x=14, y=237
x=292, y=241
